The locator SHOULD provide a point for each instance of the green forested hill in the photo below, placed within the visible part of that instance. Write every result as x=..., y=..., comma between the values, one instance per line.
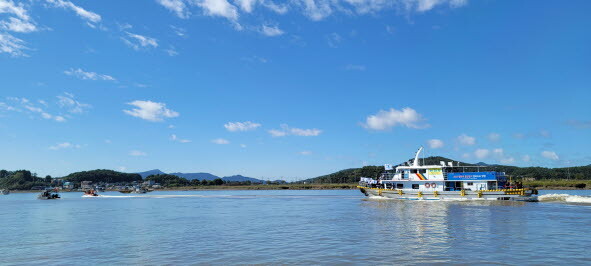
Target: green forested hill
x=102, y=175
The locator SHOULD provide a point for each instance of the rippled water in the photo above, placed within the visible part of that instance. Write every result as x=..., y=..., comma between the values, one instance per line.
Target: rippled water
x=290, y=227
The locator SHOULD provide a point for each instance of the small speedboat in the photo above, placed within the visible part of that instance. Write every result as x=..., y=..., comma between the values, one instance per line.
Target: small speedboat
x=4, y=191
x=90, y=193
x=139, y=190
x=48, y=194
x=126, y=191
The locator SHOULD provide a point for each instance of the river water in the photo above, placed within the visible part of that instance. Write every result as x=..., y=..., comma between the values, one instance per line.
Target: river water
x=291, y=227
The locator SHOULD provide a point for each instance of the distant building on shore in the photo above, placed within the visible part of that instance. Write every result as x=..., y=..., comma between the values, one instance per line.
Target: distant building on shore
x=86, y=185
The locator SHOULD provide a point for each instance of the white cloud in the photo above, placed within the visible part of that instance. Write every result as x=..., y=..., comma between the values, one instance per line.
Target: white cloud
x=69, y=102
x=271, y=31
x=435, y=143
x=305, y=153
x=481, y=153
x=550, y=155
x=81, y=12
x=466, y=140
x=174, y=137
x=385, y=120
x=12, y=45
x=9, y=7
x=494, y=137
x=241, y=126
x=81, y=74
x=220, y=141
x=220, y=8
x=18, y=25
x=277, y=133
x=246, y=5
x=64, y=145
x=176, y=6
x=151, y=111
x=137, y=153
x=137, y=41
x=243, y=146
x=277, y=8
x=286, y=130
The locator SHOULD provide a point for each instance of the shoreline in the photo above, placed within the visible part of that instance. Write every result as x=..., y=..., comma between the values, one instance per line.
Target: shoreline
x=284, y=187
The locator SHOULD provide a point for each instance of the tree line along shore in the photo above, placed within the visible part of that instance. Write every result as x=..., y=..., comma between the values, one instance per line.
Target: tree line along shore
x=537, y=177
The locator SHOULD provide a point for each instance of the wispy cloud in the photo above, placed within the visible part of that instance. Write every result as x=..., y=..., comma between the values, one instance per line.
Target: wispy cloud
x=26, y=106
x=435, y=143
x=305, y=153
x=12, y=45
x=287, y=131
x=137, y=153
x=150, y=111
x=579, y=124
x=138, y=42
x=271, y=31
x=550, y=155
x=385, y=120
x=466, y=140
x=81, y=74
x=69, y=102
x=241, y=126
x=64, y=145
x=178, y=7
x=18, y=25
x=174, y=138
x=81, y=12
x=220, y=141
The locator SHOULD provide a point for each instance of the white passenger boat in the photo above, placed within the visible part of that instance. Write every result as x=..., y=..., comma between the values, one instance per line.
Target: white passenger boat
x=413, y=181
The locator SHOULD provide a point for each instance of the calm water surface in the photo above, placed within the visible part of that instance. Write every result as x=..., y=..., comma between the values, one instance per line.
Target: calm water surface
x=290, y=227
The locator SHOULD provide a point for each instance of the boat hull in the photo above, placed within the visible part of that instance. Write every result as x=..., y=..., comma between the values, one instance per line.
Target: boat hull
x=516, y=194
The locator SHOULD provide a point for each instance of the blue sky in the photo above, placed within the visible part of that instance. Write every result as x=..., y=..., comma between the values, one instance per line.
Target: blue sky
x=291, y=89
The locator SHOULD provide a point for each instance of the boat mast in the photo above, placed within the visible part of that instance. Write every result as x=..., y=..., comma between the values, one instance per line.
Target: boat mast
x=416, y=161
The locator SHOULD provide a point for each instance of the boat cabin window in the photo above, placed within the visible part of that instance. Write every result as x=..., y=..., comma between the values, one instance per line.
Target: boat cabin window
x=413, y=171
x=415, y=186
x=399, y=186
x=470, y=184
x=423, y=171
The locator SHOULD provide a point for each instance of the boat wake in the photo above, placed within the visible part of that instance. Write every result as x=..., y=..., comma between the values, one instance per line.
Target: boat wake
x=220, y=196
x=564, y=198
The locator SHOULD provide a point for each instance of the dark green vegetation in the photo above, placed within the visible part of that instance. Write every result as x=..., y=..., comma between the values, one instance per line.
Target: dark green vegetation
x=101, y=175
x=21, y=180
x=175, y=181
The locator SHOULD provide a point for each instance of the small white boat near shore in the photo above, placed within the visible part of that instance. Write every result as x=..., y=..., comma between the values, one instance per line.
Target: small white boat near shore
x=4, y=191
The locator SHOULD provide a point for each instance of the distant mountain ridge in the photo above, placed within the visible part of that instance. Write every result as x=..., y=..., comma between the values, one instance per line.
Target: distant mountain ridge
x=202, y=176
